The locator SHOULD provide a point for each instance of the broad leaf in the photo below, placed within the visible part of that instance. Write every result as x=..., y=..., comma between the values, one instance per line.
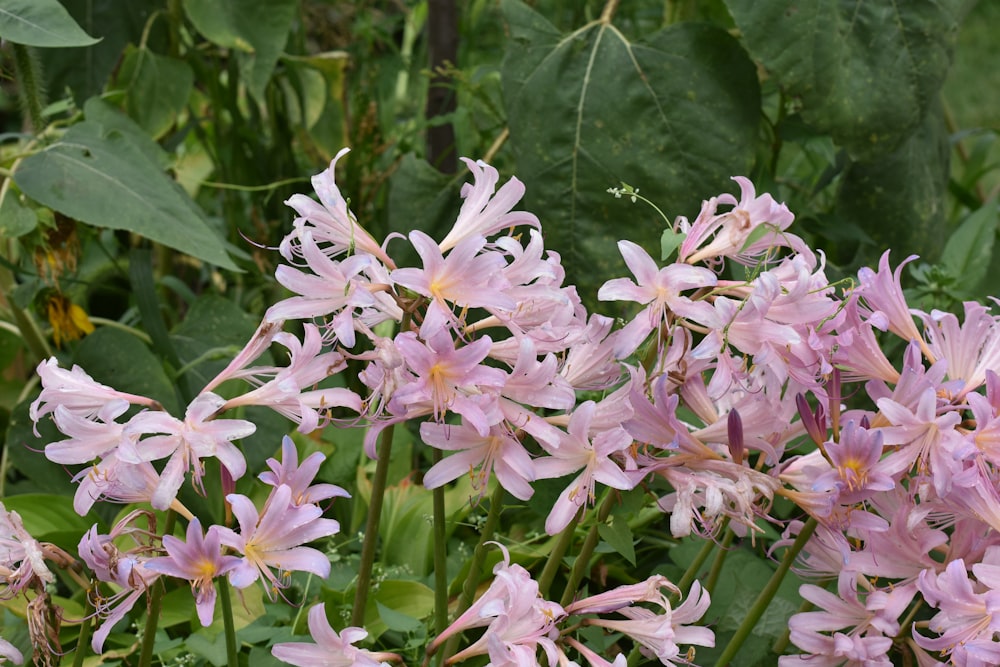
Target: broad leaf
x=674, y=114
x=40, y=23
x=256, y=29
x=156, y=88
x=899, y=199
x=865, y=72
x=102, y=179
x=85, y=71
x=970, y=247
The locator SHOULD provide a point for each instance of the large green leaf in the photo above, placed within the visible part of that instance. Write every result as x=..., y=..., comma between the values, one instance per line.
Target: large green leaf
x=40, y=23
x=256, y=29
x=101, y=178
x=85, y=71
x=675, y=115
x=865, y=72
x=899, y=199
x=970, y=248
x=156, y=88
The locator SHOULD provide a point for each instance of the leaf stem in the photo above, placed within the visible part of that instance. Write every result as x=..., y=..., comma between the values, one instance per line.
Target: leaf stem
x=27, y=73
x=371, y=528
x=767, y=594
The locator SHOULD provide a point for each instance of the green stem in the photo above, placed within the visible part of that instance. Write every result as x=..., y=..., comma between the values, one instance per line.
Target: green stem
x=27, y=74
x=227, y=621
x=582, y=562
x=155, y=602
x=694, y=568
x=766, y=595
x=478, y=556
x=371, y=528
x=717, y=562
x=83, y=640
x=556, y=555
x=440, y=555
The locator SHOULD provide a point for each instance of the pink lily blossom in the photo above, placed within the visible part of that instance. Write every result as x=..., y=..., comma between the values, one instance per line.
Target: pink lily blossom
x=331, y=649
x=299, y=477
x=484, y=213
x=198, y=559
x=274, y=538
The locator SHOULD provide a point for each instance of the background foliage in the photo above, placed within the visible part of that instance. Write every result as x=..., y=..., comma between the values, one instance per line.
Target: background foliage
x=148, y=146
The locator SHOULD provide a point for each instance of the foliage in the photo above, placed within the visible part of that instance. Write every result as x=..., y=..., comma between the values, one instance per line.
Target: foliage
x=148, y=148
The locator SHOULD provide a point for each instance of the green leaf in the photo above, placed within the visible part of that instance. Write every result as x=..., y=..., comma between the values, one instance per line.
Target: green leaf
x=864, y=72
x=397, y=621
x=408, y=599
x=970, y=247
x=45, y=513
x=120, y=360
x=16, y=219
x=619, y=536
x=256, y=29
x=900, y=198
x=674, y=114
x=85, y=71
x=41, y=23
x=670, y=241
x=101, y=178
x=156, y=88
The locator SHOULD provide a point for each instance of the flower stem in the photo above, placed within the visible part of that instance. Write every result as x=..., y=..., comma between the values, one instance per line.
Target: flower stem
x=227, y=622
x=556, y=555
x=478, y=556
x=440, y=555
x=371, y=528
x=83, y=640
x=695, y=567
x=586, y=551
x=155, y=601
x=766, y=595
x=720, y=558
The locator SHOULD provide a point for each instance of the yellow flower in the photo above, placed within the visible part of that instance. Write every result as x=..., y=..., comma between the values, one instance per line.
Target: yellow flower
x=69, y=321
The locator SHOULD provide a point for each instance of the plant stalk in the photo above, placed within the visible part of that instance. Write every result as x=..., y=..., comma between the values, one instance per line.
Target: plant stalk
x=227, y=622
x=371, y=528
x=155, y=602
x=440, y=555
x=582, y=561
x=766, y=595
x=478, y=556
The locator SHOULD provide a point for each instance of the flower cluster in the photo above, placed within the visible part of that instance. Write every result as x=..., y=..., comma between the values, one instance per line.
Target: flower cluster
x=717, y=395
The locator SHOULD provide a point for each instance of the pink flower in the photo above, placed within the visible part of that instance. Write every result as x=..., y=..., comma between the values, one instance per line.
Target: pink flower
x=329, y=220
x=484, y=213
x=116, y=481
x=498, y=452
x=9, y=652
x=284, y=388
x=199, y=559
x=659, y=633
x=22, y=559
x=274, y=538
x=518, y=619
x=882, y=291
x=730, y=231
x=579, y=451
x=448, y=379
x=78, y=393
x=331, y=649
x=657, y=289
x=967, y=618
x=125, y=569
x=186, y=443
x=298, y=477
x=465, y=278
